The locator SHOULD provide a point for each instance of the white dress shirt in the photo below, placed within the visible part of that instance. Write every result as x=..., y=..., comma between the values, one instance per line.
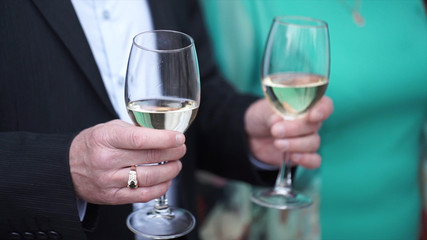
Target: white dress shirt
x=109, y=26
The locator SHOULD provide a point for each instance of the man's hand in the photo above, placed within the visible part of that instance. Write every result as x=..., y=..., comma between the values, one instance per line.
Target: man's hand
x=270, y=136
x=101, y=156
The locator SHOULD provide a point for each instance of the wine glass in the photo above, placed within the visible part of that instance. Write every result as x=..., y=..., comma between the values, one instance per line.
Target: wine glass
x=162, y=91
x=294, y=76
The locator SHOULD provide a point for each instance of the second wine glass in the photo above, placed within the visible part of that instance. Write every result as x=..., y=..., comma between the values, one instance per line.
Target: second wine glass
x=294, y=76
x=162, y=91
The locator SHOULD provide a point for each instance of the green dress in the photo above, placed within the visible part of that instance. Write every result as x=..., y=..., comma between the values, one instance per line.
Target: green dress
x=370, y=145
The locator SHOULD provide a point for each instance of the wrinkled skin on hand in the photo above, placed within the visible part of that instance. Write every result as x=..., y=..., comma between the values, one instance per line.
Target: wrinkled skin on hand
x=100, y=159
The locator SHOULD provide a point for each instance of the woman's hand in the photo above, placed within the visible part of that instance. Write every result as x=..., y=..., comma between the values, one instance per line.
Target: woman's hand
x=270, y=136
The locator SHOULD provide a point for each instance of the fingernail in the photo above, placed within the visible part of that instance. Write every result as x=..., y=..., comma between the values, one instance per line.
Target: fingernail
x=180, y=139
x=278, y=130
x=179, y=165
x=282, y=144
x=317, y=116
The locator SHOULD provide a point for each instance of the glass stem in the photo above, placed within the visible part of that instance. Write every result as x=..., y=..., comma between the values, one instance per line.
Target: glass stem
x=161, y=205
x=284, y=178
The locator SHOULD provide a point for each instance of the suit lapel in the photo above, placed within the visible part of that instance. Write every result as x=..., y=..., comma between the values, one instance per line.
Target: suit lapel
x=161, y=13
x=62, y=18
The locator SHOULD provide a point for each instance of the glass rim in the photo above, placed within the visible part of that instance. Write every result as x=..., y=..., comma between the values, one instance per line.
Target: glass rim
x=310, y=21
x=191, y=44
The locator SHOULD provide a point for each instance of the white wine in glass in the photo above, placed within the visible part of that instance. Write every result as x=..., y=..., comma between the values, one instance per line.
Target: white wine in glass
x=171, y=114
x=293, y=94
x=294, y=77
x=162, y=91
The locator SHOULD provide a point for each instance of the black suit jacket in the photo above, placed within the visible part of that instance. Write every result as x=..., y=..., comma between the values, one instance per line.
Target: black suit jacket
x=51, y=88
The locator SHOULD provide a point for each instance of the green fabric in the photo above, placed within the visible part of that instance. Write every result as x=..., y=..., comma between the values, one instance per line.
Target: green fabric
x=378, y=82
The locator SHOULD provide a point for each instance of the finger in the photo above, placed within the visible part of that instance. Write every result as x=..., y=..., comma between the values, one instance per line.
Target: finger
x=119, y=135
x=307, y=160
x=127, y=195
x=147, y=176
x=308, y=143
x=322, y=110
x=149, y=156
x=122, y=123
x=264, y=150
x=275, y=118
x=295, y=128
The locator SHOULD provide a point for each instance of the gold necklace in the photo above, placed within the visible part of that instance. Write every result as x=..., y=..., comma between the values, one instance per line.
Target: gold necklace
x=355, y=11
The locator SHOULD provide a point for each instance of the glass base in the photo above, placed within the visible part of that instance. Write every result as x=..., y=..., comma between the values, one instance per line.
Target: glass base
x=166, y=224
x=281, y=199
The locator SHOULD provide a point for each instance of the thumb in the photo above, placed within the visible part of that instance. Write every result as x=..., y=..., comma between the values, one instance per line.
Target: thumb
x=259, y=118
x=127, y=136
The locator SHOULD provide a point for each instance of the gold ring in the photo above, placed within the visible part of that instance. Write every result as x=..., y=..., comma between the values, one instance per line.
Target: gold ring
x=132, y=182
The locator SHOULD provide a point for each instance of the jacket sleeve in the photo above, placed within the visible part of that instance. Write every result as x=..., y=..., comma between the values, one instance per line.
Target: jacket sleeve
x=36, y=190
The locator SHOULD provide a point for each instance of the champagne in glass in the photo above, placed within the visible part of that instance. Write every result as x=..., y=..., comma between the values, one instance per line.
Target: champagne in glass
x=162, y=91
x=294, y=76
x=170, y=114
x=293, y=94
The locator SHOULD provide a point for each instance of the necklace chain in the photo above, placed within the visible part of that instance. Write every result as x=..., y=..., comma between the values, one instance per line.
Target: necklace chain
x=355, y=11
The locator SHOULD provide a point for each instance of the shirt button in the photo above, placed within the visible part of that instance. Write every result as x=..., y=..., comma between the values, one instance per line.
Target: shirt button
x=106, y=15
x=121, y=81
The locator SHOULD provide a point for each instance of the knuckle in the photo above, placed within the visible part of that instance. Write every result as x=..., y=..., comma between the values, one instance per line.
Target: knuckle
x=145, y=176
x=295, y=128
x=136, y=139
x=115, y=122
x=100, y=159
x=152, y=156
x=98, y=136
x=290, y=145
